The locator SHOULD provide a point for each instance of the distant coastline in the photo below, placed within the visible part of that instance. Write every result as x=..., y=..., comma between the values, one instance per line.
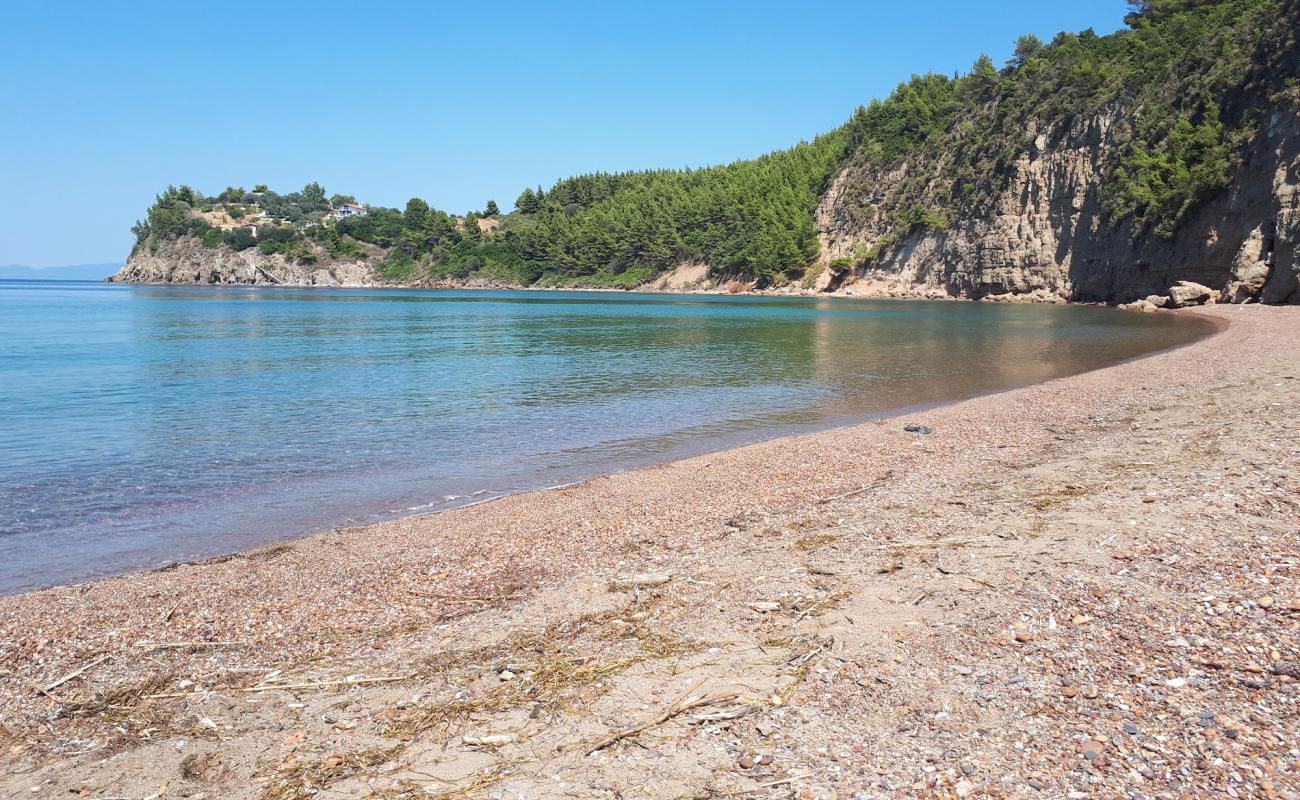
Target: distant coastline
x=74, y=272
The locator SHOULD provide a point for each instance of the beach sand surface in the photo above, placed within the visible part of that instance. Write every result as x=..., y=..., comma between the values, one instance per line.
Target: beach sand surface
x=1082, y=588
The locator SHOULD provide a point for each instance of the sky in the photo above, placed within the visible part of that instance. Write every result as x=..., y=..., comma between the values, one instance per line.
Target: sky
x=106, y=103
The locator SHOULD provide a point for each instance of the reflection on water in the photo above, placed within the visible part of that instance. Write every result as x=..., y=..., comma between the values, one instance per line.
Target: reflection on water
x=150, y=424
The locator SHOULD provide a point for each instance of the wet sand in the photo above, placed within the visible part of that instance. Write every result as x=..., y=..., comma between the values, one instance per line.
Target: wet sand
x=1086, y=585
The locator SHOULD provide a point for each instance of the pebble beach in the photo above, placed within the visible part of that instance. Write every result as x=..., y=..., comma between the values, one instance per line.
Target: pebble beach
x=1089, y=587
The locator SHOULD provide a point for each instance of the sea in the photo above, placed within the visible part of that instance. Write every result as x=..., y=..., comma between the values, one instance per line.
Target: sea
x=145, y=425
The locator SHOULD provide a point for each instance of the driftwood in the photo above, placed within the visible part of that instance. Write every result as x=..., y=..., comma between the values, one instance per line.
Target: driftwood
x=640, y=581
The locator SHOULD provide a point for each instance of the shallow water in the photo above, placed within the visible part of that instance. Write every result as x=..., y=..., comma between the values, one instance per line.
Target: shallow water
x=144, y=425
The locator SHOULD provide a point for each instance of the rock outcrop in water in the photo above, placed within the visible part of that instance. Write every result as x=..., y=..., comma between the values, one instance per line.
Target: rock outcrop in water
x=187, y=261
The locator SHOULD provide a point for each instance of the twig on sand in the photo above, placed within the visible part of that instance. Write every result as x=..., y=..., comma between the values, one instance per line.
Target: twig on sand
x=51, y=687
x=36, y=687
x=880, y=484
x=452, y=598
x=824, y=603
x=625, y=582
x=181, y=645
x=268, y=687
x=681, y=705
x=318, y=684
x=171, y=613
x=769, y=784
x=947, y=541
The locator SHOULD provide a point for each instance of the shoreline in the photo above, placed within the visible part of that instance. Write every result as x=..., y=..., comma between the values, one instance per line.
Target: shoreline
x=892, y=292
x=735, y=441
x=829, y=579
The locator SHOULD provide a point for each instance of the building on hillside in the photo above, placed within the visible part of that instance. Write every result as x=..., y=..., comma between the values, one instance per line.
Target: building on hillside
x=349, y=210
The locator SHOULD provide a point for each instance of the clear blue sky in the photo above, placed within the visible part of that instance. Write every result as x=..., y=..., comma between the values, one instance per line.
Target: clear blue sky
x=106, y=103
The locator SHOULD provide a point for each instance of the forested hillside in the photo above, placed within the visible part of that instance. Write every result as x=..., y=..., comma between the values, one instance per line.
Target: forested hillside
x=1165, y=113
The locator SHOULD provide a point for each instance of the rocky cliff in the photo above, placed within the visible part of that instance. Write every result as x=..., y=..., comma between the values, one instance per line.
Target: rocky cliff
x=1048, y=233
x=186, y=260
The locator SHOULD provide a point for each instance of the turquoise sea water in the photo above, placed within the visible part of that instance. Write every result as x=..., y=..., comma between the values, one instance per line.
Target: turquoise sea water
x=144, y=425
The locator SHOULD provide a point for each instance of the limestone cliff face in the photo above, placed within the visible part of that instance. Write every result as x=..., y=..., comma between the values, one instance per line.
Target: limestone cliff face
x=186, y=260
x=1048, y=234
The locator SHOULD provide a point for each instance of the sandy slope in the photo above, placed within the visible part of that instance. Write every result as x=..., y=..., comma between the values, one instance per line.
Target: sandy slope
x=1087, y=586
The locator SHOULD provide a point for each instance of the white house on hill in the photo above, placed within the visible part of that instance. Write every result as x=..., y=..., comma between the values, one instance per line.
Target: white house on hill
x=349, y=210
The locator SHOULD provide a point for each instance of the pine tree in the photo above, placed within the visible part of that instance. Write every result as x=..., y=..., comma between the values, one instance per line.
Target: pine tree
x=527, y=202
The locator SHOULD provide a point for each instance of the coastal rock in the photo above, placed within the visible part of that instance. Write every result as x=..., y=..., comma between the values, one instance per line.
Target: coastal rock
x=186, y=260
x=1139, y=305
x=1047, y=231
x=1187, y=293
x=1251, y=268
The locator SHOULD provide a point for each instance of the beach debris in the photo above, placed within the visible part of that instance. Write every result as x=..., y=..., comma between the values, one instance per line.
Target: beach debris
x=641, y=581
x=684, y=702
x=149, y=645
x=921, y=429
x=489, y=740
x=51, y=687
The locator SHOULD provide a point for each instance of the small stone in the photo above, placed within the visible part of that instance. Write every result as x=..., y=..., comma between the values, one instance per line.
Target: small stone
x=1267, y=602
x=964, y=788
x=1070, y=691
x=1024, y=636
x=1090, y=692
x=745, y=762
x=1130, y=729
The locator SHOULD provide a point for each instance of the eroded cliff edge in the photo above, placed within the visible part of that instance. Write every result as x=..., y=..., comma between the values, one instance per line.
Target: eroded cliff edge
x=1048, y=232
x=187, y=261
